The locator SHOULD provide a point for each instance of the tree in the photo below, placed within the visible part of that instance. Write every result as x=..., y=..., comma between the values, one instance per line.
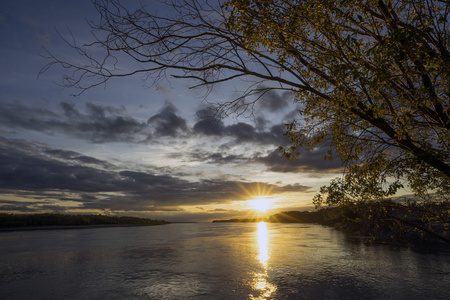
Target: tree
x=372, y=76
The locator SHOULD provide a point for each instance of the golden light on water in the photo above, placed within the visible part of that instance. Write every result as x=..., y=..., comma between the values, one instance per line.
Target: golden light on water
x=260, y=283
x=263, y=286
x=263, y=241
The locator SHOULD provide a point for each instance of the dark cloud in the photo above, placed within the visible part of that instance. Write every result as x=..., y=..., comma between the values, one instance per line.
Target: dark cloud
x=218, y=158
x=102, y=124
x=209, y=127
x=22, y=206
x=96, y=123
x=168, y=123
x=273, y=101
x=309, y=162
x=38, y=173
x=75, y=156
x=221, y=158
x=54, y=174
x=261, y=123
x=242, y=132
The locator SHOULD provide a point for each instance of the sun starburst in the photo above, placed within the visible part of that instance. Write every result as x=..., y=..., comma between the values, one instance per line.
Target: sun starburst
x=260, y=204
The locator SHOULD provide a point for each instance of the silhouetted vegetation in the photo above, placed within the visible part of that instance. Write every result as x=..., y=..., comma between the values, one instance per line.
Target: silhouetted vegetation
x=297, y=217
x=386, y=221
x=389, y=221
x=31, y=220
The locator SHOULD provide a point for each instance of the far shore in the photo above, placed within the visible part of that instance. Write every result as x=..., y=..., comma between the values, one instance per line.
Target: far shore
x=46, y=221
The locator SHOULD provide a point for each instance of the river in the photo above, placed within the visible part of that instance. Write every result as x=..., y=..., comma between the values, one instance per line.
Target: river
x=214, y=261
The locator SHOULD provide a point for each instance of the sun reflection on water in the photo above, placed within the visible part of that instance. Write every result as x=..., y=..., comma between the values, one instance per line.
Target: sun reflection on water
x=260, y=283
x=263, y=241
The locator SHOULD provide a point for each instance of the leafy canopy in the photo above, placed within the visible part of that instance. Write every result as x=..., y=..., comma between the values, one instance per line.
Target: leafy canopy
x=375, y=78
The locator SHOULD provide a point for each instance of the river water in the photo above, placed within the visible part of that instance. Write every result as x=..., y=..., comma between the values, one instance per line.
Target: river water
x=213, y=261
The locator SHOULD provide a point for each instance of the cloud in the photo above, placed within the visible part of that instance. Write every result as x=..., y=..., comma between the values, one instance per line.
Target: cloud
x=272, y=101
x=60, y=177
x=104, y=124
x=25, y=172
x=77, y=157
x=218, y=158
x=209, y=127
x=96, y=123
x=242, y=132
x=22, y=206
x=168, y=123
x=312, y=161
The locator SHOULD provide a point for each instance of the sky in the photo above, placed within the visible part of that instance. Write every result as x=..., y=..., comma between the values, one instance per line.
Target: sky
x=129, y=149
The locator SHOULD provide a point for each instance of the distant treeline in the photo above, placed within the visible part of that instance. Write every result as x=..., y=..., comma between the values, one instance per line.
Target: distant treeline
x=28, y=220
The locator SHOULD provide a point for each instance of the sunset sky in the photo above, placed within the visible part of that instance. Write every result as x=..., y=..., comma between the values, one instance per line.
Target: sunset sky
x=128, y=149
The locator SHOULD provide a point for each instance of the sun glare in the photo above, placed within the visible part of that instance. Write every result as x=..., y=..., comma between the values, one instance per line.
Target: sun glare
x=261, y=204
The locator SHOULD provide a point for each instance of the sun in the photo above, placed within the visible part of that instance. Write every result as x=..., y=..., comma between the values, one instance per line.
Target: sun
x=260, y=204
